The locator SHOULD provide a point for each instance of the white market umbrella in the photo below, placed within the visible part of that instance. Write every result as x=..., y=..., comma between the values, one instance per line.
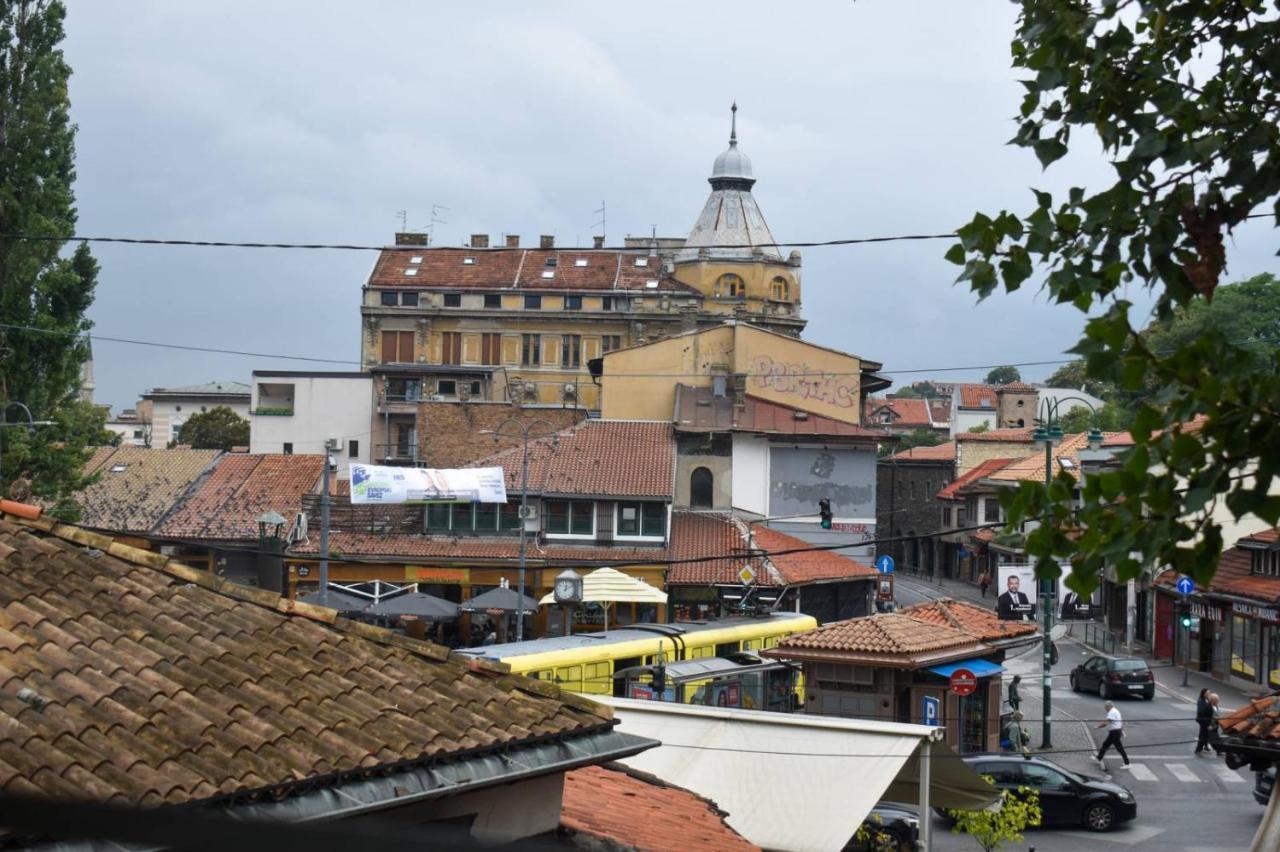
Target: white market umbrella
x=608, y=586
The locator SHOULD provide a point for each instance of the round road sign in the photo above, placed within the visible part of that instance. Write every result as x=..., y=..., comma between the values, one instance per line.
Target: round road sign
x=1186, y=585
x=963, y=682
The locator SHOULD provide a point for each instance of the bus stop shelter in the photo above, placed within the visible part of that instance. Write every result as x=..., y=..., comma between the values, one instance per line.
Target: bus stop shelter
x=799, y=782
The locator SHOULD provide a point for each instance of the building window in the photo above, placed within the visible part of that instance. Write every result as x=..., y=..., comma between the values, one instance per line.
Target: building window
x=570, y=517
x=990, y=510
x=731, y=286
x=288, y=449
x=491, y=349
x=533, y=303
x=389, y=298
x=492, y=300
x=397, y=347
x=610, y=342
x=780, y=289
x=409, y=300
x=404, y=390
x=451, y=347
x=573, y=303
x=572, y=356
x=475, y=388
x=946, y=516
x=353, y=449
x=437, y=517
x=530, y=350
x=1244, y=647
x=1267, y=562
x=700, y=488
x=453, y=300
x=641, y=520
x=615, y=303
x=447, y=387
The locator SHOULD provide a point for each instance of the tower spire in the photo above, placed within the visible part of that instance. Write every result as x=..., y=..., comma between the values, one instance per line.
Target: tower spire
x=733, y=125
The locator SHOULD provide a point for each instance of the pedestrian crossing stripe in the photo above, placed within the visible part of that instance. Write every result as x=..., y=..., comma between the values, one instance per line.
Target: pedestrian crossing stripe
x=1141, y=773
x=1230, y=776
x=1181, y=772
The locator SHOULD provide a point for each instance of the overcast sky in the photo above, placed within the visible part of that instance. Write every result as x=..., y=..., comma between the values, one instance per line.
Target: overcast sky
x=317, y=121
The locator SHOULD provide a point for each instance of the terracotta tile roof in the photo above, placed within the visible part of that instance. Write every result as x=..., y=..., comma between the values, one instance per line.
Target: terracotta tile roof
x=1270, y=536
x=701, y=534
x=638, y=811
x=972, y=396
x=1022, y=436
x=697, y=409
x=904, y=412
x=981, y=471
x=1031, y=468
x=1257, y=720
x=942, y=453
x=597, y=458
x=137, y=486
x=148, y=682
x=978, y=621
x=226, y=505
x=1235, y=574
x=884, y=634
x=1016, y=387
x=404, y=546
x=807, y=567
x=495, y=269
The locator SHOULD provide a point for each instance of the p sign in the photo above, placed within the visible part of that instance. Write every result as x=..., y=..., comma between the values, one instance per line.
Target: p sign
x=931, y=710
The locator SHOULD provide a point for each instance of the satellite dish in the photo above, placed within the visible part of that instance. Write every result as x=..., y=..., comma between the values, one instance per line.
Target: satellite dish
x=1057, y=632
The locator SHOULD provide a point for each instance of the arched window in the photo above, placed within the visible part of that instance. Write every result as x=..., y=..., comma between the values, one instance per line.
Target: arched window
x=781, y=289
x=700, y=487
x=730, y=286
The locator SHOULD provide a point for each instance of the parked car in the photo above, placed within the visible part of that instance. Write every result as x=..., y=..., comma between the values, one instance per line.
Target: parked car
x=1066, y=797
x=889, y=826
x=1263, y=783
x=1112, y=677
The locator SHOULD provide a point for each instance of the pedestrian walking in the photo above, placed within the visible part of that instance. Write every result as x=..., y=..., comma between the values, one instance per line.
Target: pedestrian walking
x=1014, y=698
x=1204, y=719
x=1017, y=734
x=1115, y=736
x=984, y=580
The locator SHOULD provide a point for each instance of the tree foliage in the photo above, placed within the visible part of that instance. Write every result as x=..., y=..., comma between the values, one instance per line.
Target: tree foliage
x=219, y=428
x=916, y=438
x=984, y=426
x=994, y=827
x=1003, y=376
x=1182, y=97
x=40, y=286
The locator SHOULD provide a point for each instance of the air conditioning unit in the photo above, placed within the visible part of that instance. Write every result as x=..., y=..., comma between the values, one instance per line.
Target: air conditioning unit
x=529, y=512
x=299, y=532
x=570, y=390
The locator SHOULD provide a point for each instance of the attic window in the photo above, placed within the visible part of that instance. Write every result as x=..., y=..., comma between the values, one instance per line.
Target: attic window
x=411, y=271
x=118, y=468
x=651, y=284
x=582, y=261
x=642, y=261
x=468, y=261
x=417, y=258
x=985, y=402
x=551, y=261
x=1066, y=464
x=548, y=273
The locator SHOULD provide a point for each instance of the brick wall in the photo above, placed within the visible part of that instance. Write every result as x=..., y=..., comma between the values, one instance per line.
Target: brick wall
x=448, y=432
x=906, y=502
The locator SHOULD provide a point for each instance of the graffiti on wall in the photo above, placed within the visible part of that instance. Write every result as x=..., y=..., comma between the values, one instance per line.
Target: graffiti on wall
x=803, y=382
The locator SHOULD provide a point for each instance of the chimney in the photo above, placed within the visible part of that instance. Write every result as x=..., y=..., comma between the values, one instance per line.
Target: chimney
x=597, y=242
x=513, y=241
x=479, y=240
x=546, y=241
x=411, y=238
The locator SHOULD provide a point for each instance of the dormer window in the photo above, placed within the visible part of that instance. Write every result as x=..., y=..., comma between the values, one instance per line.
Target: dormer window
x=642, y=261
x=551, y=261
x=641, y=520
x=582, y=261
x=468, y=261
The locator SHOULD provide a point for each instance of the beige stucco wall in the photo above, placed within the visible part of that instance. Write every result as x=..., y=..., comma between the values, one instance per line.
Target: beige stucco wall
x=792, y=372
x=721, y=468
x=640, y=383
x=970, y=454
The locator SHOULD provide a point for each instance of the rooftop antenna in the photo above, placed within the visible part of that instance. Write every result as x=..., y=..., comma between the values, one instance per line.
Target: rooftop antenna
x=403, y=216
x=733, y=124
x=601, y=223
x=436, y=209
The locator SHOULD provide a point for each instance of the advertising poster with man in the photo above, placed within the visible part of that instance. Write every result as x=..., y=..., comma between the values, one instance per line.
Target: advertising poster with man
x=1017, y=598
x=1072, y=606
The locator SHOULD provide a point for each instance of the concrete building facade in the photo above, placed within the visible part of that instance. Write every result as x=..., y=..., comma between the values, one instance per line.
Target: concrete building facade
x=297, y=412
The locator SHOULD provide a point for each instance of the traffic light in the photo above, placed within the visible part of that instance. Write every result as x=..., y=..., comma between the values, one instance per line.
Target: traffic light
x=1185, y=617
x=824, y=512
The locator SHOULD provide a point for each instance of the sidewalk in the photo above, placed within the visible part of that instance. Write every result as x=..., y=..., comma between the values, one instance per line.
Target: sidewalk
x=1169, y=681
x=1073, y=741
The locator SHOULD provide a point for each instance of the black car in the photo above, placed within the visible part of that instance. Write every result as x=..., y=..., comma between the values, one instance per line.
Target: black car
x=889, y=826
x=1263, y=783
x=1112, y=677
x=1066, y=797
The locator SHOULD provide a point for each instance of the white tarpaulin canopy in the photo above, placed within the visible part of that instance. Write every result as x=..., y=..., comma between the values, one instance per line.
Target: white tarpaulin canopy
x=790, y=781
x=377, y=484
x=608, y=585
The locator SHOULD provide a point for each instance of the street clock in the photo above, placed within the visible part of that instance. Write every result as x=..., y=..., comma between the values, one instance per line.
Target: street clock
x=568, y=587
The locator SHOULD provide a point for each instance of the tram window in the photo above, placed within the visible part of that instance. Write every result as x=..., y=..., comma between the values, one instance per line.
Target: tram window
x=544, y=674
x=699, y=653
x=570, y=676
x=750, y=645
x=724, y=649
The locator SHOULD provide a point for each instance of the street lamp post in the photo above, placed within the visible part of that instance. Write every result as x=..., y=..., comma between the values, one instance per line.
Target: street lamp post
x=1049, y=432
x=523, y=430
x=30, y=423
x=330, y=447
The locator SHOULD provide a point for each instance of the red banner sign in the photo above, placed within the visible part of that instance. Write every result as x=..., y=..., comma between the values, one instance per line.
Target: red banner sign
x=963, y=682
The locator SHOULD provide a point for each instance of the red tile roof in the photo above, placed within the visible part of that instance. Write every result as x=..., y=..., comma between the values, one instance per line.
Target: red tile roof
x=597, y=458
x=1235, y=573
x=405, y=546
x=943, y=453
x=695, y=535
x=638, y=811
x=227, y=504
x=904, y=412
x=1031, y=468
x=129, y=678
x=970, y=476
x=137, y=486
x=1259, y=720
x=972, y=396
x=887, y=634
x=496, y=269
x=1017, y=436
x=809, y=566
x=979, y=621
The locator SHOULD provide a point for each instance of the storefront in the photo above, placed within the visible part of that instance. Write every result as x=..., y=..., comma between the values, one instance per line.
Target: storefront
x=1255, y=644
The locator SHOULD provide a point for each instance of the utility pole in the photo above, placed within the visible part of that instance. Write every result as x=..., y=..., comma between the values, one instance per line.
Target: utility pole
x=330, y=447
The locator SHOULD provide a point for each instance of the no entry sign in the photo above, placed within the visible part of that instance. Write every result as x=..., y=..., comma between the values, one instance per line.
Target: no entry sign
x=963, y=682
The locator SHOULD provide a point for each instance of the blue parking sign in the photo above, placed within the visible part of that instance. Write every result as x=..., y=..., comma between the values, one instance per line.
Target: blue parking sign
x=931, y=708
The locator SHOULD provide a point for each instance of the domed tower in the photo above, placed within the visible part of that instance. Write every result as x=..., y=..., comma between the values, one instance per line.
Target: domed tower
x=730, y=255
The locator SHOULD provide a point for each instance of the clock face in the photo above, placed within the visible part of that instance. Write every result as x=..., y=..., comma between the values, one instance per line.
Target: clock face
x=565, y=589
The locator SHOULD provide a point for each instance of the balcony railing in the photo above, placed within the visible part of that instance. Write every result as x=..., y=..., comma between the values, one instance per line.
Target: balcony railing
x=274, y=410
x=396, y=452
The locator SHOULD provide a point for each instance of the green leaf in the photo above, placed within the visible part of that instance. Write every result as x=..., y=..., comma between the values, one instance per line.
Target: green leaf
x=1049, y=151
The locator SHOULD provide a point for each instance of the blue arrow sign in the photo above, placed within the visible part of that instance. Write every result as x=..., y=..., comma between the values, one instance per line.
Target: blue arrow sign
x=885, y=564
x=1186, y=585
x=931, y=710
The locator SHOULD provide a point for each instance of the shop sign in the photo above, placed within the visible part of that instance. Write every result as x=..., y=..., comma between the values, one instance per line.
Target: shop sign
x=1265, y=613
x=963, y=682
x=439, y=575
x=1205, y=611
x=304, y=570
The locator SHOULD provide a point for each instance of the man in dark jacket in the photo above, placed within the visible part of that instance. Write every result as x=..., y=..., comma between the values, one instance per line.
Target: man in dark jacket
x=1204, y=718
x=1014, y=698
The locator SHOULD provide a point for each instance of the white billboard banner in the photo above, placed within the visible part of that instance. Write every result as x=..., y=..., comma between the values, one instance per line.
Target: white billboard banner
x=377, y=484
x=1016, y=600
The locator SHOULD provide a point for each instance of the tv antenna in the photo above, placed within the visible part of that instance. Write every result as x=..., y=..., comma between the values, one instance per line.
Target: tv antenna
x=403, y=216
x=436, y=209
x=602, y=222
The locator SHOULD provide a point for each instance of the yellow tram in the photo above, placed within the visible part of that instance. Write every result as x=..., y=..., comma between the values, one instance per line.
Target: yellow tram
x=587, y=662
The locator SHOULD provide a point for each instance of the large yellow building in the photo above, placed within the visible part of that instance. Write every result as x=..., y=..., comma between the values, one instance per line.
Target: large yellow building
x=506, y=322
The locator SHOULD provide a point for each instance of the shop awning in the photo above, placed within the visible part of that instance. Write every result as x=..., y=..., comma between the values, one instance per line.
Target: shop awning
x=784, y=779
x=980, y=668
